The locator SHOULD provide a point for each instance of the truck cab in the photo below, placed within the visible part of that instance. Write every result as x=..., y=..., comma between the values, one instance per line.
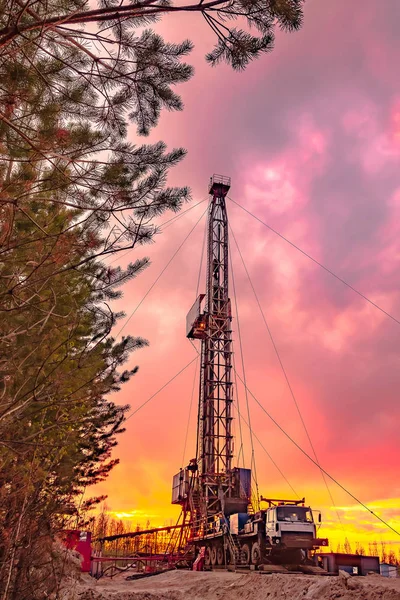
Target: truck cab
x=291, y=527
x=285, y=533
x=286, y=522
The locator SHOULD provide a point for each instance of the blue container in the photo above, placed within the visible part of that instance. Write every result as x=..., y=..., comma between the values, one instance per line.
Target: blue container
x=237, y=521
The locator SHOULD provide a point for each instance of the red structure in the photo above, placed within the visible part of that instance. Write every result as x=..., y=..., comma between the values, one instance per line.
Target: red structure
x=81, y=541
x=198, y=564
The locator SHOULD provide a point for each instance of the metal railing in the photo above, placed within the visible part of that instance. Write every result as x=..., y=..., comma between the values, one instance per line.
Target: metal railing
x=220, y=180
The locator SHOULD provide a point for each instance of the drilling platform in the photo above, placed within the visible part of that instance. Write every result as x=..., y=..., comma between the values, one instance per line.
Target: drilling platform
x=216, y=496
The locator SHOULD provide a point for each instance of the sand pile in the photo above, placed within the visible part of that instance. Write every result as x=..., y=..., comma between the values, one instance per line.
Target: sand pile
x=66, y=567
x=180, y=585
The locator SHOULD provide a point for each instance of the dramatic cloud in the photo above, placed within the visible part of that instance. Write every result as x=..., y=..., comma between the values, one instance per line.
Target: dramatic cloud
x=311, y=138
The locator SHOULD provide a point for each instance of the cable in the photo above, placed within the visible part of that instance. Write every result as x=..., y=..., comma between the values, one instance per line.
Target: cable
x=162, y=272
x=253, y=459
x=201, y=259
x=160, y=390
x=271, y=459
x=166, y=224
x=319, y=466
x=241, y=449
x=318, y=263
x=199, y=423
x=259, y=441
x=190, y=412
x=286, y=376
x=163, y=226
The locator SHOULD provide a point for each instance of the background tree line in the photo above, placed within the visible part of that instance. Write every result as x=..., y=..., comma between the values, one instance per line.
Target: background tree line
x=73, y=193
x=103, y=524
x=385, y=551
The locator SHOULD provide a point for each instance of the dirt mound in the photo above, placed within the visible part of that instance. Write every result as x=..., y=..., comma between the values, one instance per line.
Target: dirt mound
x=180, y=585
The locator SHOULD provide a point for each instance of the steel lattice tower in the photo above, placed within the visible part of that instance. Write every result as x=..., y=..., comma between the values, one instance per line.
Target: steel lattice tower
x=215, y=451
x=210, y=484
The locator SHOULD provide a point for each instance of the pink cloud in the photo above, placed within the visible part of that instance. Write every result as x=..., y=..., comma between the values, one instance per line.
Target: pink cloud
x=310, y=136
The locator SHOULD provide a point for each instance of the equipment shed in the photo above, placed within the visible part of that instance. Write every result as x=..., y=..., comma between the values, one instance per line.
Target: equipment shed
x=355, y=564
x=389, y=570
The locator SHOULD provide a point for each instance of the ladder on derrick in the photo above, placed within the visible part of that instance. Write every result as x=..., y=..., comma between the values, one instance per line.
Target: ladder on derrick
x=196, y=506
x=233, y=546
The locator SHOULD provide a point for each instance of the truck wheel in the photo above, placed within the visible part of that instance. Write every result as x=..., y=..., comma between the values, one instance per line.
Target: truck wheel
x=213, y=553
x=245, y=554
x=255, y=554
x=220, y=555
x=207, y=557
x=230, y=559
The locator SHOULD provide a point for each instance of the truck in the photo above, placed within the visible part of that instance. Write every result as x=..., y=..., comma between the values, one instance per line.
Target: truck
x=284, y=533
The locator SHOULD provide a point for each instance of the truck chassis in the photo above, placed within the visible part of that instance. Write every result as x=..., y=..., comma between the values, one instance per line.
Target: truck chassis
x=224, y=549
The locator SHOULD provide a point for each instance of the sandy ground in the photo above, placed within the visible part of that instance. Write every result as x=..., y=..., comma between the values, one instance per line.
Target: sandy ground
x=179, y=585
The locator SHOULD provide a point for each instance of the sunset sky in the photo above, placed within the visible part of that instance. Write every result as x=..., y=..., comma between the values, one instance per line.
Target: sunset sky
x=310, y=135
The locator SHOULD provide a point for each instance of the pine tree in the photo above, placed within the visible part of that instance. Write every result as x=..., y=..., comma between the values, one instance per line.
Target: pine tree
x=360, y=549
x=116, y=22
x=373, y=548
x=61, y=144
x=383, y=553
x=347, y=546
x=57, y=427
x=69, y=91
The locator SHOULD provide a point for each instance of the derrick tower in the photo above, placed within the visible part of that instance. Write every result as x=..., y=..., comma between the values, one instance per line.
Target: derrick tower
x=215, y=443
x=210, y=485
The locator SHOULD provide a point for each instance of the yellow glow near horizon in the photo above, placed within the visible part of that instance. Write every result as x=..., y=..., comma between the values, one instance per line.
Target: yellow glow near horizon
x=361, y=529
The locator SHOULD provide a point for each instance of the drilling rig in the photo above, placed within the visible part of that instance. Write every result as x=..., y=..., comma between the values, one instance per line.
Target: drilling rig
x=216, y=497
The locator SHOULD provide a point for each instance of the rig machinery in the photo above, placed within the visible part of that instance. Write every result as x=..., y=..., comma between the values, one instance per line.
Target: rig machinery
x=216, y=497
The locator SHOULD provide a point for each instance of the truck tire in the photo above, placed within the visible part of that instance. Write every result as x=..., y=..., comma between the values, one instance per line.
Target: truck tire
x=245, y=554
x=213, y=553
x=207, y=557
x=230, y=559
x=255, y=554
x=220, y=555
